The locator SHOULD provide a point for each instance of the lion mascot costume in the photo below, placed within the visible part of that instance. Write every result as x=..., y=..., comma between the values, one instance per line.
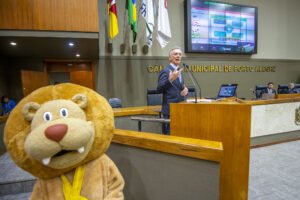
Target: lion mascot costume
x=59, y=134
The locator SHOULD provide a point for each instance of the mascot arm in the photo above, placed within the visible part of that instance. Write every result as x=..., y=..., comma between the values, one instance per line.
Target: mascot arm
x=115, y=183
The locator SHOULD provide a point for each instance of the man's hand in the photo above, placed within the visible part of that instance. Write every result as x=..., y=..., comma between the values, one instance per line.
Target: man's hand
x=173, y=75
x=184, y=92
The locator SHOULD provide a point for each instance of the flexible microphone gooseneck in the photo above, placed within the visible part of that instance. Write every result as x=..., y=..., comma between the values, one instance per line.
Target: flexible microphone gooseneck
x=194, y=81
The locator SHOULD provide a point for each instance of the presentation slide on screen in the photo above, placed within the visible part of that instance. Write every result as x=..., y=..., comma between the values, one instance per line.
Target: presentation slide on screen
x=222, y=27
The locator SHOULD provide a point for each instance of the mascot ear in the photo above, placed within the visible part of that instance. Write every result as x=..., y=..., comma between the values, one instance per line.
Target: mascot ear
x=81, y=100
x=30, y=109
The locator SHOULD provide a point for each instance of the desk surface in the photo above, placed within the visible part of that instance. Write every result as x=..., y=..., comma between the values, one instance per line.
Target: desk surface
x=154, y=110
x=280, y=98
x=144, y=110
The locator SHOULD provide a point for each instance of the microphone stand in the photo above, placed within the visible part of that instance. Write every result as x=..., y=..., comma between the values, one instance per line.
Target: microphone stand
x=193, y=79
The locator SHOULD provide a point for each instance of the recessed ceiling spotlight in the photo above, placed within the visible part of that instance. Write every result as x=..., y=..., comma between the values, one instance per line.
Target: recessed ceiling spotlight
x=77, y=55
x=71, y=44
x=13, y=43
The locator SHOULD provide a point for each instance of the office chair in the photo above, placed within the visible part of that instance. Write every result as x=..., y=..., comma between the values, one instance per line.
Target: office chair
x=153, y=97
x=282, y=88
x=259, y=89
x=115, y=102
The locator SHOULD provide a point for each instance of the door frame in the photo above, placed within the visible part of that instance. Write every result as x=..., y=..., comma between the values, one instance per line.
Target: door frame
x=70, y=68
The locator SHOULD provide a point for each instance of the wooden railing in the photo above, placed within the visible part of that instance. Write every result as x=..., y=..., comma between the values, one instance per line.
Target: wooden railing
x=195, y=148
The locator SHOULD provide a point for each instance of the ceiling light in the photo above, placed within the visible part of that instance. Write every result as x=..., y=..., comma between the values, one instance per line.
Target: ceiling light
x=13, y=43
x=71, y=44
x=77, y=55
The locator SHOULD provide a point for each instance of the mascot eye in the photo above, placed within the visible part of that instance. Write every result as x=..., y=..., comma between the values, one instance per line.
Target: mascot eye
x=64, y=112
x=47, y=116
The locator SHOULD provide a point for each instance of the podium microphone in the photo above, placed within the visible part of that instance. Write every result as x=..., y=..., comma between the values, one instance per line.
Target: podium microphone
x=194, y=81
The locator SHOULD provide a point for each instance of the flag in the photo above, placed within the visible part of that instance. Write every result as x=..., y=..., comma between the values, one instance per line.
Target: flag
x=131, y=7
x=147, y=12
x=113, y=21
x=163, y=26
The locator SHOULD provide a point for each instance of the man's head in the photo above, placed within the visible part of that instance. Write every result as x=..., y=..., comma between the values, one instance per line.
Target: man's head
x=175, y=55
x=270, y=85
x=291, y=85
x=4, y=99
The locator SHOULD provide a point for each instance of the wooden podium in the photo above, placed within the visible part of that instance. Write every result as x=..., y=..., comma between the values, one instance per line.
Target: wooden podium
x=227, y=122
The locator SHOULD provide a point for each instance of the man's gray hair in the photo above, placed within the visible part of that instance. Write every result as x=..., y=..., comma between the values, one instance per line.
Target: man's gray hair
x=290, y=84
x=176, y=47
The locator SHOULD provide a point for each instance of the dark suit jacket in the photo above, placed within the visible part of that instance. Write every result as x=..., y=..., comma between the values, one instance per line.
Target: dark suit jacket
x=288, y=91
x=266, y=91
x=171, y=91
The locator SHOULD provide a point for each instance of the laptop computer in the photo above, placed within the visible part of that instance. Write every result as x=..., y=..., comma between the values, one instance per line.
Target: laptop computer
x=226, y=91
x=266, y=96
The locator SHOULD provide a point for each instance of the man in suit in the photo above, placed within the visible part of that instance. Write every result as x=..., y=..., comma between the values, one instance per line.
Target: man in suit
x=290, y=89
x=269, y=89
x=171, y=84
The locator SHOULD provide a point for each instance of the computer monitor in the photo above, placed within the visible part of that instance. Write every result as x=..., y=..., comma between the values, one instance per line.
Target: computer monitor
x=227, y=90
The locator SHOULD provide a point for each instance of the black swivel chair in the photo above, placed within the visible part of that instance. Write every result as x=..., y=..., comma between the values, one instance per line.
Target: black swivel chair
x=259, y=89
x=282, y=88
x=153, y=97
x=192, y=91
x=115, y=102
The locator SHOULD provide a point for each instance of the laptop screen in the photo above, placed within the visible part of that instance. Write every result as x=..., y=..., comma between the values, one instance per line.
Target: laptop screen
x=227, y=90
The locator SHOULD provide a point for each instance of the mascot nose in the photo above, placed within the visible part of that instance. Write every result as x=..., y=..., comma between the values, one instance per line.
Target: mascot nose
x=56, y=132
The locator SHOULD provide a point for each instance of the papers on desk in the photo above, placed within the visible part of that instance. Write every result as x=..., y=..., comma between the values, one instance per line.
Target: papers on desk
x=200, y=100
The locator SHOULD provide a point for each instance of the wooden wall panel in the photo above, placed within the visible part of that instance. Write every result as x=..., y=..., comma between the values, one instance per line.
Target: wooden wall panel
x=16, y=14
x=84, y=78
x=229, y=123
x=52, y=15
x=32, y=80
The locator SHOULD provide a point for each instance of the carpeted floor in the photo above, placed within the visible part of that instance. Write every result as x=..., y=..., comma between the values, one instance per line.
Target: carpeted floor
x=275, y=172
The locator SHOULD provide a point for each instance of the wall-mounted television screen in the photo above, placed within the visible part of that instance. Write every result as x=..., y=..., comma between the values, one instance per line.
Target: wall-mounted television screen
x=216, y=27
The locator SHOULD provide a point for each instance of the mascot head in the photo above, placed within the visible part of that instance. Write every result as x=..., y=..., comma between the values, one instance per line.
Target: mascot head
x=58, y=128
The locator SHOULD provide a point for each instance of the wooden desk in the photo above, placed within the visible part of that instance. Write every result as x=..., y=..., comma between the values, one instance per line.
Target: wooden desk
x=233, y=123
x=227, y=122
x=3, y=118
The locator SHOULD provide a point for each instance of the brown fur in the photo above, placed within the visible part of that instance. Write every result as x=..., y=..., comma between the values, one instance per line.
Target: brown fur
x=98, y=113
x=101, y=176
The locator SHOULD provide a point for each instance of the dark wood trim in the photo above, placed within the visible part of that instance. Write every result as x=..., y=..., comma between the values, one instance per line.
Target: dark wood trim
x=273, y=143
x=68, y=60
x=2, y=151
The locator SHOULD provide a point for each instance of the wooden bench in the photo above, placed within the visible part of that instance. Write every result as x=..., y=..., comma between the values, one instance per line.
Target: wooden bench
x=149, y=119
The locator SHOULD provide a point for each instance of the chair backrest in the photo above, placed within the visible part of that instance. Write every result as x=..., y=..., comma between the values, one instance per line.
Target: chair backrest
x=259, y=89
x=282, y=88
x=297, y=87
x=192, y=91
x=115, y=102
x=153, y=97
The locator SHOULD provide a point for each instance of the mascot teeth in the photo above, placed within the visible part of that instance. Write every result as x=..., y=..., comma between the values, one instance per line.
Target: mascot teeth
x=80, y=150
x=46, y=161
